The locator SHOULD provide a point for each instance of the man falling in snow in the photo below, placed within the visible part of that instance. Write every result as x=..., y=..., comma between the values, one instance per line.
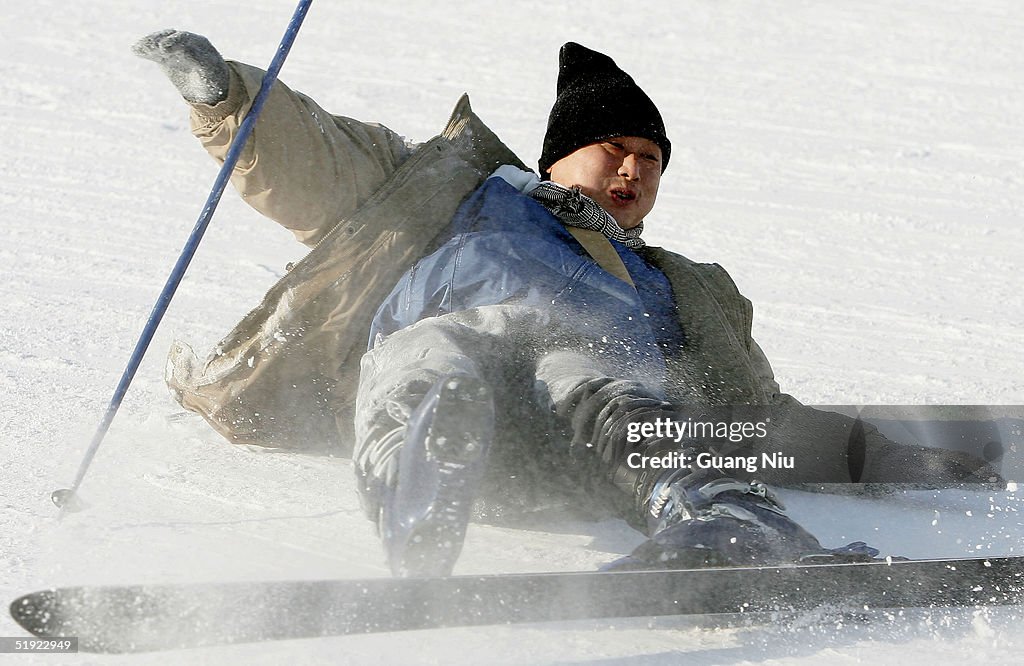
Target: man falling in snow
x=530, y=311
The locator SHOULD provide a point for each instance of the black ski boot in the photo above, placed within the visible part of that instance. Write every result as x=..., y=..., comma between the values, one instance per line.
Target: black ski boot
x=424, y=516
x=706, y=519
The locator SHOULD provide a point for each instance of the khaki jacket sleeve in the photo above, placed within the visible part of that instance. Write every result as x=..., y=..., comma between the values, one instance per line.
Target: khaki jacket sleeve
x=301, y=167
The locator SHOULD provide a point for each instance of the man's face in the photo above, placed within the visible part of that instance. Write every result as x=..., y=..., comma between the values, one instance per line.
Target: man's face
x=621, y=174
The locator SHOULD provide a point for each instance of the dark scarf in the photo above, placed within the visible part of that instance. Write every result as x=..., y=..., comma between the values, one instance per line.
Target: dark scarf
x=576, y=209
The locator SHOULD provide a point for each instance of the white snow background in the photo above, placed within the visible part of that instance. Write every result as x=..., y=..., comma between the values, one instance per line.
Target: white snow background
x=858, y=168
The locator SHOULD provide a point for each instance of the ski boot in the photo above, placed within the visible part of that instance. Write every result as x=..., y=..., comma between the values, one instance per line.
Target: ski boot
x=424, y=514
x=706, y=519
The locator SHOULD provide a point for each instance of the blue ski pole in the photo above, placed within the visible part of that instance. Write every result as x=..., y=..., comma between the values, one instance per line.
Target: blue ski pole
x=65, y=497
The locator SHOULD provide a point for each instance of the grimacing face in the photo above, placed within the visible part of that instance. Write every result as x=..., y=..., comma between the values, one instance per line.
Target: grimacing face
x=621, y=174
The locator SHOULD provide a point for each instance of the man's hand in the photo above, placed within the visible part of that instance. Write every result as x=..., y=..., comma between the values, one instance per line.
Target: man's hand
x=195, y=68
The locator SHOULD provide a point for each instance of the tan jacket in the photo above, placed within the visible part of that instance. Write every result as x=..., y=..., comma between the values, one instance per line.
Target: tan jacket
x=370, y=205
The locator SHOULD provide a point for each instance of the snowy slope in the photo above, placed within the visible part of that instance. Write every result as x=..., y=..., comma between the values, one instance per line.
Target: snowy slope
x=858, y=169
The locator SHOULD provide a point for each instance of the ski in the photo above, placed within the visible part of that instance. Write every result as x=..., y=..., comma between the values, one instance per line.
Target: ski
x=164, y=617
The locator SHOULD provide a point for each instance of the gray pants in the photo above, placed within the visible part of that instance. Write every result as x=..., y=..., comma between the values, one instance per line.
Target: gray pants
x=546, y=377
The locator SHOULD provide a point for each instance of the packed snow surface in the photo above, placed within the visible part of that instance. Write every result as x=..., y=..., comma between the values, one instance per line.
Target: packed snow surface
x=858, y=168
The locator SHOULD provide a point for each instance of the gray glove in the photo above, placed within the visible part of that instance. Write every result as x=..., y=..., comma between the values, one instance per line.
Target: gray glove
x=195, y=68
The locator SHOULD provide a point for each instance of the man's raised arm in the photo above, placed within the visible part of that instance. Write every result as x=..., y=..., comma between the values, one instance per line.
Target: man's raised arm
x=302, y=167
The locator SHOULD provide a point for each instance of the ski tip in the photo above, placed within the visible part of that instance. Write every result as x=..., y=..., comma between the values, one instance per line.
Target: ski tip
x=35, y=613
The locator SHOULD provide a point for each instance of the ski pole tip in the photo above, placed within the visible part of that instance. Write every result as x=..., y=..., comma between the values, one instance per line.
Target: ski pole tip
x=67, y=500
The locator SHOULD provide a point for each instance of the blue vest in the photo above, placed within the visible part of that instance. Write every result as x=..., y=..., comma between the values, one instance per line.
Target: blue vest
x=506, y=248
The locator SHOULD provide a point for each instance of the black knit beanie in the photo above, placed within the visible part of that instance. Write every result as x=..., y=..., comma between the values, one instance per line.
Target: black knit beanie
x=597, y=100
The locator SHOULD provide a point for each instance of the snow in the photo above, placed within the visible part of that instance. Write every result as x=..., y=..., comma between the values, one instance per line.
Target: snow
x=858, y=169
